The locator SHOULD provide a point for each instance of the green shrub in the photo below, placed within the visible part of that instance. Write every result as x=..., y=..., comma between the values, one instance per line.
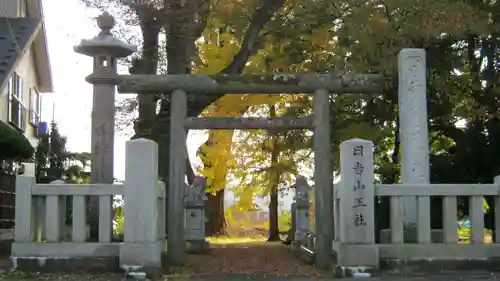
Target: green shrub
x=13, y=144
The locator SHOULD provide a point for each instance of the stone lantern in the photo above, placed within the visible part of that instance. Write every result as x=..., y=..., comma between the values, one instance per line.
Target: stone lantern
x=105, y=49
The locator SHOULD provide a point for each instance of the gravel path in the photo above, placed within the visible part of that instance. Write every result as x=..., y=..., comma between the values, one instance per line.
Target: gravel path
x=440, y=277
x=263, y=259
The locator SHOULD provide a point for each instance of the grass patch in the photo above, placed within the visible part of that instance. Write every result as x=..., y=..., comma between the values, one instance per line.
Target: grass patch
x=225, y=240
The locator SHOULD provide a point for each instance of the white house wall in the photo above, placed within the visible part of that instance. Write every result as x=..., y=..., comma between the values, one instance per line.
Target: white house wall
x=27, y=71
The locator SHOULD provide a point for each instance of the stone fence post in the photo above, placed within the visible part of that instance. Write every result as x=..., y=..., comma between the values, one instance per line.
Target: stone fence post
x=357, y=221
x=141, y=245
x=194, y=228
x=23, y=216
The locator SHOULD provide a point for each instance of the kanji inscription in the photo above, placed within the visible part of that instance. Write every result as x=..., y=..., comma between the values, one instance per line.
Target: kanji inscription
x=359, y=186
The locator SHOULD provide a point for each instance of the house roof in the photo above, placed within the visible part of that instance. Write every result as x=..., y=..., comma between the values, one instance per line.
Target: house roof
x=41, y=53
x=16, y=36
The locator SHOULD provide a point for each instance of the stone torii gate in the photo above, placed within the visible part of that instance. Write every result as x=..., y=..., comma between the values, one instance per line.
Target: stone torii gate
x=320, y=85
x=105, y=49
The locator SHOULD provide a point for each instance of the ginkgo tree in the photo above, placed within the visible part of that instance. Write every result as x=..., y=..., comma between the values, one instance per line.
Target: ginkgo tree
x=265, y=163
x=279, y=51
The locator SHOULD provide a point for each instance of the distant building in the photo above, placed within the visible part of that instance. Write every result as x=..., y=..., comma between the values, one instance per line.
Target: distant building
x=251, y=216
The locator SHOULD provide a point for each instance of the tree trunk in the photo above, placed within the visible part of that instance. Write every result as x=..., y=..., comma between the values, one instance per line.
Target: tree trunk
x=274, y=232
x=215, y=225
x=146, y=64
x=177, y=63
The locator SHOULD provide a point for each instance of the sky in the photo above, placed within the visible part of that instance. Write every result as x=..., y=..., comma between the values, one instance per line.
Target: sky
x=71, y=102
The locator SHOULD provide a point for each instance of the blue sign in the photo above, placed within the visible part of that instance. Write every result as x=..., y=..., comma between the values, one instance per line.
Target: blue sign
x=43, y=128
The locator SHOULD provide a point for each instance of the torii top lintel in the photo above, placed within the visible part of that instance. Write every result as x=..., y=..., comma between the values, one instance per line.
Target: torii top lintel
x=252, y=84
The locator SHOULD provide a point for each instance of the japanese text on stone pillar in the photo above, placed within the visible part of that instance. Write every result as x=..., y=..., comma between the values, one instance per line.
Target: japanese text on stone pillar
x=359, y=204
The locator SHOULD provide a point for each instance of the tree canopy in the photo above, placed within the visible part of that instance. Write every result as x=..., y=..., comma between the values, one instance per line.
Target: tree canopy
x=54, y=162
x=461, y=40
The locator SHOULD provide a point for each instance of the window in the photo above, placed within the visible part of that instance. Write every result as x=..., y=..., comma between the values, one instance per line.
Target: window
x=35, y=107
x=17, y=110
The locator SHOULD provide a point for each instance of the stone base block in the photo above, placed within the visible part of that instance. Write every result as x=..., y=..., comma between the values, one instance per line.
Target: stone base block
x=352, y=272
x=68, y=265
x=197, y=246
x=438, y=265
x=357, y=255
x=148, y=255
x=410, y=236
x=144, y=273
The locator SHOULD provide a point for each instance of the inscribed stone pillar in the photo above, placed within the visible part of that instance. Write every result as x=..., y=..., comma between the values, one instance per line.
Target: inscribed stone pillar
x=413, y=130
x=356, y=205
x=105, y=49
x=357, y=225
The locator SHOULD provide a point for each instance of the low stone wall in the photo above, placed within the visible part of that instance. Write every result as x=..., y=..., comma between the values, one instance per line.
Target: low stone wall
x=44, y=243
x=412, y=267
x=433, y=265
x=411, y=236
x=67, y=265
x=83, y=265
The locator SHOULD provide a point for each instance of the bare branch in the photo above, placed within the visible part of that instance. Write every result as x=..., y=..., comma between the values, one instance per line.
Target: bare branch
x=261, y=16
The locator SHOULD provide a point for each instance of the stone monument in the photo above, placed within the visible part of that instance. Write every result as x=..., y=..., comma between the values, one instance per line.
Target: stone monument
x=194, y=215
x=301, y=225
x=105, y=49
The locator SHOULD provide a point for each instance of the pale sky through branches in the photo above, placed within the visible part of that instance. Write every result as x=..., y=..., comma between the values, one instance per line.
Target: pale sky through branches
x=67, y=23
